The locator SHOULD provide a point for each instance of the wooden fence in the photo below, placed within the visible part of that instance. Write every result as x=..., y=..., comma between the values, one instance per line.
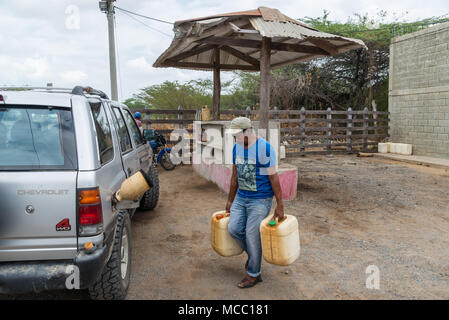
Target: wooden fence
x=302, y=131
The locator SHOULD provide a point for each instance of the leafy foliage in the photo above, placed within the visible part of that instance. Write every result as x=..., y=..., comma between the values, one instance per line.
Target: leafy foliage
x=170, y=94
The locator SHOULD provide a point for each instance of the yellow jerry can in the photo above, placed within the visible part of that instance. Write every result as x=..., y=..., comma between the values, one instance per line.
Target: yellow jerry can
x=280, y=240
x=133, y=187
x=220, y=239
x=205, y=114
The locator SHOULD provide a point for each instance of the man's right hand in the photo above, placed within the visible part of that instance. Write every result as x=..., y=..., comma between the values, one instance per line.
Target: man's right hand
x=228, y=206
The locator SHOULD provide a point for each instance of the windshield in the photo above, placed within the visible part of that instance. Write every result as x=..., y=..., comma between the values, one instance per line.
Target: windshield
x=36, y=138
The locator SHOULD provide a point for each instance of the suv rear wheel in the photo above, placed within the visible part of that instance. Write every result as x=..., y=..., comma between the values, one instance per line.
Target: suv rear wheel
x=114, y=280
x=151, y=197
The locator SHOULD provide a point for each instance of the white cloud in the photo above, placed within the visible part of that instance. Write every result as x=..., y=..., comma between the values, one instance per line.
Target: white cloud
x=74, y=77
x=33, y=68
x=14, y=69
x=140, y=64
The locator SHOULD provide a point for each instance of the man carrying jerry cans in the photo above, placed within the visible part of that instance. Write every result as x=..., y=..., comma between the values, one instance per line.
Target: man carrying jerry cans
x=254, y=182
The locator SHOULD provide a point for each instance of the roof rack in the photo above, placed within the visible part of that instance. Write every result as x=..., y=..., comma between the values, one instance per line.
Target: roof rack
x=25, y=88
x=78, y=90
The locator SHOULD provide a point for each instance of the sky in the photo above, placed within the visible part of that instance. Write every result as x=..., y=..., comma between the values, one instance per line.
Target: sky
x=65, y=42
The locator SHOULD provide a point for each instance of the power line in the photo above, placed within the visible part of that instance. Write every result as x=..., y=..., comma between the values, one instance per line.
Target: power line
x=141, y=15
x=154, y=29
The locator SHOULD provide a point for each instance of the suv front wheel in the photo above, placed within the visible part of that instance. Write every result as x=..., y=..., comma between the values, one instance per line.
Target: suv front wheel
x=114, y=280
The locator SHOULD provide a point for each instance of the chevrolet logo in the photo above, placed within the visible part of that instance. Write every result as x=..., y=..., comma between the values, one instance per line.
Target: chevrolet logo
x=42, y=192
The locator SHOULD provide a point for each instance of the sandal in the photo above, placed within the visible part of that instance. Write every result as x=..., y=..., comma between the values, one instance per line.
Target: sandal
x=246, y=283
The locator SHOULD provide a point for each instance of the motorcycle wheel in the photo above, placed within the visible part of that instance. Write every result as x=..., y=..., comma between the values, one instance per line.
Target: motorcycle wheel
x=166, y=162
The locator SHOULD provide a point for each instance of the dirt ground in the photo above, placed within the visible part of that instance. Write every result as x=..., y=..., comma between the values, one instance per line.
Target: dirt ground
x=352, y=212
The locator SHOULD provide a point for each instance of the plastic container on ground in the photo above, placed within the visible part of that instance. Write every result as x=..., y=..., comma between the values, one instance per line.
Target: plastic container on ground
x=383, y=147
x=280, y=240
x=394, y=148
x=220, y=239
x=405, y=149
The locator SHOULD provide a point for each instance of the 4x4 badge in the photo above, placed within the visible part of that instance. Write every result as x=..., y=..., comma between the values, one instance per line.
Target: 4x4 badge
x=64, y=225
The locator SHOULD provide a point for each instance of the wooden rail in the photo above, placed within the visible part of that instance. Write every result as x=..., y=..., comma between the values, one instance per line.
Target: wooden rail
x=302, y=131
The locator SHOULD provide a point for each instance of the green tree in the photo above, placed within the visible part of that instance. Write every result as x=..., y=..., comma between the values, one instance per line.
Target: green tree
x=170, y=95
x=133, y=103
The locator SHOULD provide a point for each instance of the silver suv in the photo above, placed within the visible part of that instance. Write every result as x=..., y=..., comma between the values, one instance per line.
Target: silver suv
x=63, y=155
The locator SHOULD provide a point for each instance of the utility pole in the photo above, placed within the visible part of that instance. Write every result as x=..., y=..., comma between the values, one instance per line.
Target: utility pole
x=107, y=6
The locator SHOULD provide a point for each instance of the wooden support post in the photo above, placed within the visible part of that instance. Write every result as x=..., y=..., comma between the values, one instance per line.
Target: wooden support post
x=265, y=63
x=365, y=128
x=329, y=131
x=217, y=86
x=303, y=130
x=349, y=131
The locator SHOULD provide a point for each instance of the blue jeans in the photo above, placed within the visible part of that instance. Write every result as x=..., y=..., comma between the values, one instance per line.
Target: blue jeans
x=244, y=223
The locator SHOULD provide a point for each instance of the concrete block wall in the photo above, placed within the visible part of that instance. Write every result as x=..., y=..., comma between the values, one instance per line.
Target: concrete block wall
x=419, y=90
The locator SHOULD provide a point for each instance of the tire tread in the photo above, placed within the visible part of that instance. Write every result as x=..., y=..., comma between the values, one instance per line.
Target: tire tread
x=109, y=285
x=151, y=197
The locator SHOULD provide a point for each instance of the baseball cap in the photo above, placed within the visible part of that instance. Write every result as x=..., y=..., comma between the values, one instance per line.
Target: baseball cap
x=240, y=123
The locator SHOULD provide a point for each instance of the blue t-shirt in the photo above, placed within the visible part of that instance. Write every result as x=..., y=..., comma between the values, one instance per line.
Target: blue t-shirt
x=252, y=164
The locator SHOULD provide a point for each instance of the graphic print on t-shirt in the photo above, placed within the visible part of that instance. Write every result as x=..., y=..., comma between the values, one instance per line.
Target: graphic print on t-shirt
x=246, y=174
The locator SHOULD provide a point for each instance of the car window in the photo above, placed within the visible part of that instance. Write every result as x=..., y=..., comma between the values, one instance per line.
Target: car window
x=132, y=125
x=36, y=138
x=103, y=129
x=125, y=140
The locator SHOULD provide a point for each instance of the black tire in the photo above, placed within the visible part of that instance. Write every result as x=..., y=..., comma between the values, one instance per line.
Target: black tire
x=151, y=197
x=111, y=285
x=166, y=162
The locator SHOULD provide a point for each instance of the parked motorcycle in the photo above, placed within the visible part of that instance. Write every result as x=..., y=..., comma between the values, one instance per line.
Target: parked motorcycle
x=161, y=152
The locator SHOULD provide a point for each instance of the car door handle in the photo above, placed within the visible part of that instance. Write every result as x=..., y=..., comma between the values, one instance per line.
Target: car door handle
x=129, y=171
